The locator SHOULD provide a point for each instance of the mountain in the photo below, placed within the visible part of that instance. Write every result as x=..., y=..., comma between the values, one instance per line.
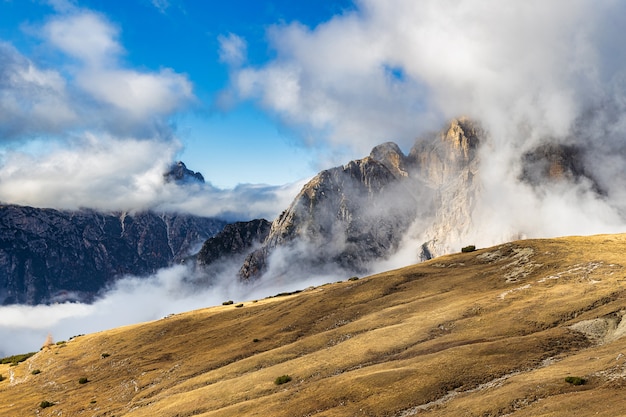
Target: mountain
x=179, y=172
x=342, y=216
x=348, y=218
x=527, y=328
x=50, y=256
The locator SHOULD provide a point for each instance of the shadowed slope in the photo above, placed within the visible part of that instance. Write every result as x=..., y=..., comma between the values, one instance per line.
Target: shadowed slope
x=481, y=333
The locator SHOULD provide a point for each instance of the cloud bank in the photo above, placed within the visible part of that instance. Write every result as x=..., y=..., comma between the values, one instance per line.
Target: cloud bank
x=390, y=70
x=95, y=133
x=132, y=300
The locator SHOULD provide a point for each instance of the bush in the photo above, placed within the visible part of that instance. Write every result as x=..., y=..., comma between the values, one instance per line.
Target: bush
x=283, y=379
x=105, y=355
x=36, y=371
x=45, y=404
x=255, y=340
x=1, y=377
x=83, y=380
x=470, y=248
x=353, y=279
x=227, y=303
x=575, y=380
x=239, y=305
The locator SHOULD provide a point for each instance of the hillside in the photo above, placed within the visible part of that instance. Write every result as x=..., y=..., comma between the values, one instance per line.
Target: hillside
x=487, y=333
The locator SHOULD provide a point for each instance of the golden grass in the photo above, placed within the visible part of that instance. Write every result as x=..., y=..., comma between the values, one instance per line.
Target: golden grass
x=485, y=333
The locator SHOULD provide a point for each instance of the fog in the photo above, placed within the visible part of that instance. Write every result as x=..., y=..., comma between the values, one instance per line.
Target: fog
x=137, y=299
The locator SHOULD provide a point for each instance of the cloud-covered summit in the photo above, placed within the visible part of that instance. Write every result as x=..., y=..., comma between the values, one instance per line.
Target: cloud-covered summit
x=389, y=70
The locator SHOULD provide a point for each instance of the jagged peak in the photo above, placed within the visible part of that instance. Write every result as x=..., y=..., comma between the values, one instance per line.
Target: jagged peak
x=179, y=172
x=391, y=156
x=462, y=135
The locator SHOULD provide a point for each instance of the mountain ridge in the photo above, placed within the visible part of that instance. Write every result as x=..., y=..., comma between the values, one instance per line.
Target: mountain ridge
x=48, y=255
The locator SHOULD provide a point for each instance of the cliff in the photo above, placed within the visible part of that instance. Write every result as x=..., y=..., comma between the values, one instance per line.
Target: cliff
x=51, y=256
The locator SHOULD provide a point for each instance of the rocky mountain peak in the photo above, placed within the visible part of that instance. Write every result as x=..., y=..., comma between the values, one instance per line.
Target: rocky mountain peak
x=179, y=172
x=390, y=155
x=462, y=139
x=342, y=216
x=440, y=158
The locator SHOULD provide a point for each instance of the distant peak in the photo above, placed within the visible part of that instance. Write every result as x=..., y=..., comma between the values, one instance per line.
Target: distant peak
x=179, y=172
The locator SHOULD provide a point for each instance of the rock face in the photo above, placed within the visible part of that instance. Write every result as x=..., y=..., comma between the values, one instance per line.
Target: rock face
x=449, y=164
x=49, y=255
x=342, y=217
x=352, y=216
x=555, y=162
x=235, y=240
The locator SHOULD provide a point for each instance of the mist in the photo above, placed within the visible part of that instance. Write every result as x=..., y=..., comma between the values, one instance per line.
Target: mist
x=133, y=300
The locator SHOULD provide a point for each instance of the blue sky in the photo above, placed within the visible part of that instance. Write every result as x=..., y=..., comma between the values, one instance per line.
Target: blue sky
x=238, y=144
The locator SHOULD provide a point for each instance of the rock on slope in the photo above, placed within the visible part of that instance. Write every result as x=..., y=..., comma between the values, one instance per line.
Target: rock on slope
x=49, y=255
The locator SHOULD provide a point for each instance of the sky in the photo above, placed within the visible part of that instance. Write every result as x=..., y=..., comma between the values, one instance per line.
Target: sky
x=97, y=98
x=177, y=45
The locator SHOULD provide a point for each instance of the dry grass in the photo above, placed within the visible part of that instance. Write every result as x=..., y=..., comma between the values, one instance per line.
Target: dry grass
x=486, y=333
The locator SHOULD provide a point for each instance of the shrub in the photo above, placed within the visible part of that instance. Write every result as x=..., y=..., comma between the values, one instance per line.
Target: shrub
x=105, y=355
x=83, y=380
x=283, y=379
x=227, y=303
x=255, y=340
x=45, y=404
x=575, y=380
x=239, y=305
x=1, y=377
x=36, y=371
x=470, y=248
x=353, y=279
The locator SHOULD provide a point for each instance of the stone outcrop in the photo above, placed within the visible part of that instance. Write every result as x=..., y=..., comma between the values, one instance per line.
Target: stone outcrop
x=234, y=240
x=49, y=255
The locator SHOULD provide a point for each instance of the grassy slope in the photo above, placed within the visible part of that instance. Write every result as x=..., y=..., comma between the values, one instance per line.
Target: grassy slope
x=481, y=333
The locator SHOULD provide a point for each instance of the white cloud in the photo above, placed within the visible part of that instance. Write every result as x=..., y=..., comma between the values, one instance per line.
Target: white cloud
x=232, y=50
x=393, y=69
x=84, y=35
x=111, y=173
x=31, y=99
